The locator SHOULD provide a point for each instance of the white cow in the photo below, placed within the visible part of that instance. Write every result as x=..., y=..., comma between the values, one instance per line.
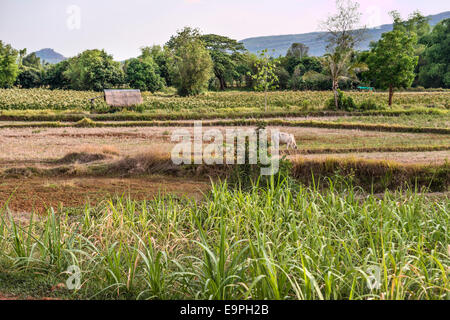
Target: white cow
x=287, y=139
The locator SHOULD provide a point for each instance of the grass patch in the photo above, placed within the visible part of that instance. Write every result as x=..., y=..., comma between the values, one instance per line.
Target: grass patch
x=286, y=241
x=369, y=175
x=367, y=150
x=373, y=175
x=162, y=115
x=274, y=122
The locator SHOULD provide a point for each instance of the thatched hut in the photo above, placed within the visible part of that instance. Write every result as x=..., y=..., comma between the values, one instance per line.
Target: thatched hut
x=123, y=98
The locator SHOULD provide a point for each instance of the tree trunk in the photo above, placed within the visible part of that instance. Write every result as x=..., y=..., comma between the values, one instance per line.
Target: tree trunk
x=391, y=94
x=335, y=88
x=265, y=99
x=265, y=90
x=222, y=84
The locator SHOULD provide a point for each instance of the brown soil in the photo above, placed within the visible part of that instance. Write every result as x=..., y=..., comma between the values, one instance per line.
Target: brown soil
x=6, y=297
x=39, y=193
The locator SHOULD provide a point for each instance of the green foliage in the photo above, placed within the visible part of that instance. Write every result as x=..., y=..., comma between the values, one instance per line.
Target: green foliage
x=347, y=103
x=143, y=74
x=9, y=69
x=341, y=65
x=191, y=65
x=160, y=56
x=29, y=78
x=32, y=61
x=343, y=102
x=369, y=104
x=416, y=24
x=265, y=77
x=229, y=104
x=287, y=241
x=55, y=76
x=435, y=72
x=283, y=76
x=393, y=60
x=297, y=50
x=226, y=53
x=304, y=65
x=31, y=71
x=94, y=70
x=85, y=123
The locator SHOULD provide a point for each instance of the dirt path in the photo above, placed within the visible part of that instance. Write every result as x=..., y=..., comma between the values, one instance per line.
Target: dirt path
x=41, y=193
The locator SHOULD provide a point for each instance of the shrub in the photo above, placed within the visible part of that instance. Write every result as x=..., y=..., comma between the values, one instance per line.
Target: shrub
x=344, y=102
x=369, y=105
x=29, y=78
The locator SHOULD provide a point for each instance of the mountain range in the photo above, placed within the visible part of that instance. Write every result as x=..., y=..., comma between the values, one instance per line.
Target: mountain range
x=278, y=45
x=50, y=56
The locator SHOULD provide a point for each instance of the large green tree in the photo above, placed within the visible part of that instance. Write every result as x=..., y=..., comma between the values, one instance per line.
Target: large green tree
x=54, y=76
x=191, y=66
x=392, y=61
x=161, y=57
x=9, y=69
x=143, y=74
x=435, y=71
x=29, y=77
x=94, y=70
x=226, y=53
x=31, y=71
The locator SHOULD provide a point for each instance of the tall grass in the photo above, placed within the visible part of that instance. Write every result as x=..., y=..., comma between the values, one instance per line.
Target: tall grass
x=285, y=241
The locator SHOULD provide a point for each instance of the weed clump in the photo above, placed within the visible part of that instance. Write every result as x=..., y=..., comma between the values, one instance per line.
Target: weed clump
x=85, y=123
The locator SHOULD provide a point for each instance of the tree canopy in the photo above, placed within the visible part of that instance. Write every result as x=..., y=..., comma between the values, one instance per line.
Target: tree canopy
x=392, y=61
x=8, y=66
x=225, y=53
x=298, y=51
x=435, y=71
x=143, y=74
x=94, y=70
x=191, y=66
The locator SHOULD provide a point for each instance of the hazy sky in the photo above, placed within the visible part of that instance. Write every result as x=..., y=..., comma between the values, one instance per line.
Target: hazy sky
x=122, y=27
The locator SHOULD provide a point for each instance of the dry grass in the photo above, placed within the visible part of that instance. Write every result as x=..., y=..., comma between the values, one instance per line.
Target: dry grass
x=155, y=161
x=40, y=193
x=373, y=175
x=96, y=149
x=24, y=147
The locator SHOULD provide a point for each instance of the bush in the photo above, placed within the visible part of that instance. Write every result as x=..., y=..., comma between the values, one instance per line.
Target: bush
x=369, y=105
x=29, y=78
x=344, y=103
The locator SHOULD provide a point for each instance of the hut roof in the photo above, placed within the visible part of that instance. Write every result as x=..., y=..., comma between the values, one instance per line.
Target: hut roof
x=123, y=98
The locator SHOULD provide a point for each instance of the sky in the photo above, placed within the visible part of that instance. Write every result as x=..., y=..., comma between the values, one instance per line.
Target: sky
x=123, y=27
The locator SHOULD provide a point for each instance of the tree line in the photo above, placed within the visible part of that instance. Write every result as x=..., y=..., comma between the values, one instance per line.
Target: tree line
x=412, y=54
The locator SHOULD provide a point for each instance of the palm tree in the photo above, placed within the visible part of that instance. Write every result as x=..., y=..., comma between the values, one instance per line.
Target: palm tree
x=339, y=66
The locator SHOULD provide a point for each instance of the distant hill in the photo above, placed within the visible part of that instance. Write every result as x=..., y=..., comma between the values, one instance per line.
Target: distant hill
x=315, y=40
x=50, y=56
